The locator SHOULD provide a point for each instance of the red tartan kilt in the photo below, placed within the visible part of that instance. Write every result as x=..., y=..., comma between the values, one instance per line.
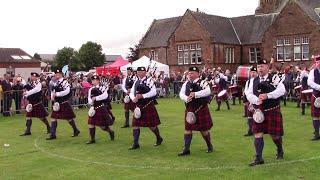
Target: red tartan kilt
x=129, y=106
x=249, y=113
x=101, y=118
x=272, y=124
x=38, y=111
x=149, y=117
x=305, y=97
x=315, y=112
x=204, y=121
x=65, y=112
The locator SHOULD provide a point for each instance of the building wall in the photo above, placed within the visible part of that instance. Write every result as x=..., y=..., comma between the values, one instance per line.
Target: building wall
x=162, y=53
x=292, y=22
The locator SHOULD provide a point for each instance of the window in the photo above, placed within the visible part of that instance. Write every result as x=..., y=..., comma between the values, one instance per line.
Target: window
x=298, y=50
x=186, y=58
x=254, y=55
x=199, y=57
x=180, y=58
x=189, y=54
x=154, y=55
x=229, y=52
x=193, y=47
x=26, y=57
x=16, y=57
x=193, y=57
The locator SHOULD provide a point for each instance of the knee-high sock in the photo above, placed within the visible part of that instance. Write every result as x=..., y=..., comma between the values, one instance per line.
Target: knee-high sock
x=136, y=134
x=207, y=138
x=316, y=125
x=28, y=125
x=278, y=142
x=259, y=144
x=245, y=107
x=156, y=132
x=45, y=121
x=250, y=122
x=127, y=114
x=73, y=125
x=54, y=125
x=227, y=102
x=187, y=141
x=92, y=132
x=219, y=104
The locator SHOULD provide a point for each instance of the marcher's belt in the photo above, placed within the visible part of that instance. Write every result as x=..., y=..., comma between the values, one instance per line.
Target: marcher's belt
x=64, y=102
x=95, y=108
x=36, y=104
x=270, y=109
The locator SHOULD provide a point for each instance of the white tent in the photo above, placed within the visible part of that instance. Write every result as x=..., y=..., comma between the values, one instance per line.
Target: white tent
x=145, y=61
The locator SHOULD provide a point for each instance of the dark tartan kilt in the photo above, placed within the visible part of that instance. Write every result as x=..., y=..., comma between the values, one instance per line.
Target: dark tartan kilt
x=129, y=106
x=315, y=112
x=204, y=121
x=272, y=124
x=38, y=111
x=65, y=112
x=149, y=117
x=249, y=113
x=101, y=117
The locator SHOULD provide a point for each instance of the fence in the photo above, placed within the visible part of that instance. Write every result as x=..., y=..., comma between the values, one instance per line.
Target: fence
x=13, y=102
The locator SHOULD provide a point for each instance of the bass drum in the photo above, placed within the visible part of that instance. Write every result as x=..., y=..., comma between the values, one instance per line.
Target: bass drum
x=243, y=74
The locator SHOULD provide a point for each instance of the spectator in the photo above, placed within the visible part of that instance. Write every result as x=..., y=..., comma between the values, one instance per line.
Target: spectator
x=17, y=93
x=7, y=96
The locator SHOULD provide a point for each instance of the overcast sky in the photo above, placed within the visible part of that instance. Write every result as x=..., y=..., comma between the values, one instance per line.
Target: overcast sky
x=44, y=26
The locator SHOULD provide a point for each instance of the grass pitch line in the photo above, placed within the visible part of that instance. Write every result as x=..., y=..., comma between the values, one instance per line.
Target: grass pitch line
x=166, y=167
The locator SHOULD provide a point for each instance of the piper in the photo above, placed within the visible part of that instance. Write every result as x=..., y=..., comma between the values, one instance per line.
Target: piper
x=314, y=83
x=143, y=94
x=61, y=109
x=264, y=94
x=35, y=108
x=98, y=113
x=196, y=95
x=127, y=84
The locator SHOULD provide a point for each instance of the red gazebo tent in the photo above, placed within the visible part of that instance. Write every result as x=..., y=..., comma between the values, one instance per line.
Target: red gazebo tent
x=112, y=68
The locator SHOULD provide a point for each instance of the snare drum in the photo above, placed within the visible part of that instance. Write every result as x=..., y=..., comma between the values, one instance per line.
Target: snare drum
x=233, y=89
x=242, y=75
x=215, y=89
x=306, y=95
x=223, y=95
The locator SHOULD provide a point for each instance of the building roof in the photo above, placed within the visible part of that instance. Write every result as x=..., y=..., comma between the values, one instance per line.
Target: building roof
x=16, y=55
x=250, y=29
x=47, y=57
x=160, y=32
x=237, y=30
x=112, y=58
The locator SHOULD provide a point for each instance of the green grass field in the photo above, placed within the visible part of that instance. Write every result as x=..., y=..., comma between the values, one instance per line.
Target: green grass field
x=69, y=158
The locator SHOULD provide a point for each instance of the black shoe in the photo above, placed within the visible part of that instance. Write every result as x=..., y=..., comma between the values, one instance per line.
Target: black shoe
x=125, y=126
x=91, y=142
x=111, y=135
x=184, y=153
x=248, y=134
x=51, y=138
x=217, y=109
x=26, y=134
x=256, y=162
x=279, y=156
x=210, y=149
x=134, y=146
x=315, y=138
x=159, y=142
x=76, y=133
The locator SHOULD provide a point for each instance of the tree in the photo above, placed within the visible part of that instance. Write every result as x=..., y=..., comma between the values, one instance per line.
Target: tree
x=134, y=53
x=90, y=55
x=37, y=56
x=66, y=56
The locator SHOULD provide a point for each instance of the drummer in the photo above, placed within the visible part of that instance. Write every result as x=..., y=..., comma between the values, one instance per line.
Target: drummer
x=314, y=83
x=221, y=82
x=304, y=86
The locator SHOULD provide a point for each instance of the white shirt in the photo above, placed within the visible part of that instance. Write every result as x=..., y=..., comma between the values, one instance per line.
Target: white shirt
x=123, y=86
x=35, y=90
x=66, y=87
x=278, y=92
x=101, y=97
x=311, y=82
x=200, y=94
x=150, y=94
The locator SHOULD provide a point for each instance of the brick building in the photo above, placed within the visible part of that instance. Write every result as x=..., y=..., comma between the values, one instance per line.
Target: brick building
x=16, y=61
x=287, y=30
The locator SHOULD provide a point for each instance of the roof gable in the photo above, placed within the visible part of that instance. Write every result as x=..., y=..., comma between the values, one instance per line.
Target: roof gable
x=16, y=55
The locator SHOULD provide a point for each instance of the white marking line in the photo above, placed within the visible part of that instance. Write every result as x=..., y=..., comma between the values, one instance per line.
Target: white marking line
x=166, y=167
